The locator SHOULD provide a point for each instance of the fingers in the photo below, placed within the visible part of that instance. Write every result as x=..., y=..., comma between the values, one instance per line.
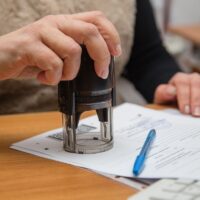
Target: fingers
x=50, y=64
x=165, y=93
x=29, y=72
x=195, y=94
x=81, y=32
x=105, y=27
x=182, y=83
x=184, y=89
x=66, y=48
x=188, y=92
x=88, y=34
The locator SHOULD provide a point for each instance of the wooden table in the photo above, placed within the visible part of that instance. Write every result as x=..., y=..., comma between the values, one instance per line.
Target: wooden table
x=25, y=177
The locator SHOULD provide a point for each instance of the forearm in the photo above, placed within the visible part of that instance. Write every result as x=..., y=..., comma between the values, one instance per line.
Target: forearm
x=150, y=64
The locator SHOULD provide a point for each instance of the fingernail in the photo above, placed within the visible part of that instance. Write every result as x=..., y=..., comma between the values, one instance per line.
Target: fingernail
x=104, y=74
x=171, y=90
x=197, y=111
x=187, y=109
x=118, y=50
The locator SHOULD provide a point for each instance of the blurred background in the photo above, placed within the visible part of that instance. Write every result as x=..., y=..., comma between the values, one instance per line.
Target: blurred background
x=179, y=23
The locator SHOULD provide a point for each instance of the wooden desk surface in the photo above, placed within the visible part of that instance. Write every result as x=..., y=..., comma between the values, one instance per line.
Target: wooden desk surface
x=190, y=32
x=25, y=177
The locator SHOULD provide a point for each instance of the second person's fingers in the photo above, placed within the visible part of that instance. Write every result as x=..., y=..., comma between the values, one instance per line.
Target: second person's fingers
x=182, y=83
x=66, y=48
x=45, y=59
x=195, y=94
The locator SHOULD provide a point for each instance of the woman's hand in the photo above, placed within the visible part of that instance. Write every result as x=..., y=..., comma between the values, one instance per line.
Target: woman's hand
x=49, y=49
x=184, y=89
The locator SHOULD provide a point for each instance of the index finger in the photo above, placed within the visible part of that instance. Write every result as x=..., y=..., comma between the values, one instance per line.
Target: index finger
x=87, y=34
x=105, y=27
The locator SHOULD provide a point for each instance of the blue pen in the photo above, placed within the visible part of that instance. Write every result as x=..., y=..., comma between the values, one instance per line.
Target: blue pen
x=139, y=162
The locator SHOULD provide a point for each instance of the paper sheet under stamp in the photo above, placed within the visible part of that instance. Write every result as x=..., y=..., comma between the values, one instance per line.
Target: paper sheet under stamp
x=175, y=152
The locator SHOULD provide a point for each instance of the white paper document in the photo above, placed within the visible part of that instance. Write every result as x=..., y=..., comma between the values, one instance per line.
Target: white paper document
x=175, y=152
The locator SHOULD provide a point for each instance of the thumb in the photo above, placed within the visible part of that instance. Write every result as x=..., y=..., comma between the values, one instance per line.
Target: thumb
x=165, y=93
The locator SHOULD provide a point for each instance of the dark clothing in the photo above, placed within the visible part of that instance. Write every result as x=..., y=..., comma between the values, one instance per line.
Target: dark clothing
x=150, y=64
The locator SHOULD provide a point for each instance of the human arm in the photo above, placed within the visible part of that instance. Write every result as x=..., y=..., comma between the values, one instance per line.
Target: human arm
x=49, y=49
x=153, y=70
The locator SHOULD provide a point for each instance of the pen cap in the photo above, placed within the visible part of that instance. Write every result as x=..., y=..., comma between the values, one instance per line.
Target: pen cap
x=138, y=165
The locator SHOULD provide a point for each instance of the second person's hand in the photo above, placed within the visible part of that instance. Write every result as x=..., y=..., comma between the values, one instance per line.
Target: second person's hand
x=184, y=89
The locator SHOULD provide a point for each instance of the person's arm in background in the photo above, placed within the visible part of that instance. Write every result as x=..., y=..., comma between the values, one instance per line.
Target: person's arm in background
x=149, y=64
x=154, y=72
